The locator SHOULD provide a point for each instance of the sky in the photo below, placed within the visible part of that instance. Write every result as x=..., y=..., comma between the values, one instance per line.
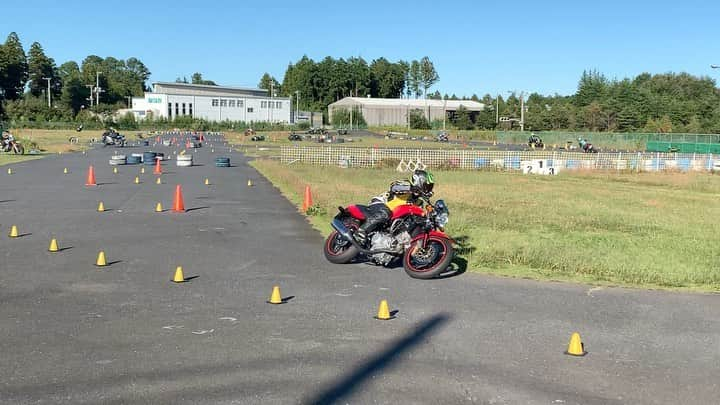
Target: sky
x=477, y=47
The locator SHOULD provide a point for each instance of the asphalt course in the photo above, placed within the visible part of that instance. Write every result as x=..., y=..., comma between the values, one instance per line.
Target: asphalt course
x=74, y=333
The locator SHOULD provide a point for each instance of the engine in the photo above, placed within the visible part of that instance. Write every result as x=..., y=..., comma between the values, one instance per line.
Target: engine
x=386, y=241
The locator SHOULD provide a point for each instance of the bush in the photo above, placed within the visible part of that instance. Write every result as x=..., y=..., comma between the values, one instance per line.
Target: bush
x=418, y=120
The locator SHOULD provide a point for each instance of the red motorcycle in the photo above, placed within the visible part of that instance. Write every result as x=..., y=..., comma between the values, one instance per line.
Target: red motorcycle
x=413, y=233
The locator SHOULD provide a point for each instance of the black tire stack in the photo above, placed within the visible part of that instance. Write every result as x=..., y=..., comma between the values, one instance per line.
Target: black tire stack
x=222, y=162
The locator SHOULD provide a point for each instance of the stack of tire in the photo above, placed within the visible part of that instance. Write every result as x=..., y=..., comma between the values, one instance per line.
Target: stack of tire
x=149, y=158
x=134, y=159
x=117, y=160
x=222, y=162
x=184, y=160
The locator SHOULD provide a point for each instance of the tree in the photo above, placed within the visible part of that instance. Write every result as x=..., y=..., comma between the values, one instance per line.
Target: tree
x=197, y=78
x=428, y=74
x=182, y=80
x=387, y=79
x=418, y=120
x=13, y=68
x=415, y=78
x=462, y=119
x=74, y=93
x=39, y=68
x=268, y=82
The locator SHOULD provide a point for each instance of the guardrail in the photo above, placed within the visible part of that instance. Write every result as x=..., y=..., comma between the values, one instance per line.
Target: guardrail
x=500, y=160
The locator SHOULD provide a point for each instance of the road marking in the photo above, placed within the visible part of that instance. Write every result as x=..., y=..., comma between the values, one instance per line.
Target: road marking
x=170, y=327
x=202, y=332
x=228, y=318
x=590, y=291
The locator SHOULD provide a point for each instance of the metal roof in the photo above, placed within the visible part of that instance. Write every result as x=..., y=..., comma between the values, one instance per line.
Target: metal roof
x=409, y=103
x=207, y=86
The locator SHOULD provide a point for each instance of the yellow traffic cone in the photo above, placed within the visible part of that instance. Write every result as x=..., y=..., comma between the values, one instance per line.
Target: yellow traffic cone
x=250, y=183
x=576, y=347
x=53, y=246
x=65, y=171
x=142, y=170
x=9, y=170
x=158, y=181
x=115, y=170
x=275, y=297
x=158, y=207
x=14, y=232
x=137, y=180
x=101, y=207
x=101, y=259
x=207, y=182
x=179, y=277
x=383, y=311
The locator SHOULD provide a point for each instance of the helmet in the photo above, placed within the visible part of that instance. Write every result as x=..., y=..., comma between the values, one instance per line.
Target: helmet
x=422, y=182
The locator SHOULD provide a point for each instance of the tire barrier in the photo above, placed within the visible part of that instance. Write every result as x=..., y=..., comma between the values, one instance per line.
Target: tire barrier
x=184, y=160
x=118, y=160
x=134, y=159
x=160, y=155
x=222, y=162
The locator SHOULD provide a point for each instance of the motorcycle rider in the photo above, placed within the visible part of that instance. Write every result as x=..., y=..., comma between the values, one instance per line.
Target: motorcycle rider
x=583, y=143
x=401, y=192
x=6, y=139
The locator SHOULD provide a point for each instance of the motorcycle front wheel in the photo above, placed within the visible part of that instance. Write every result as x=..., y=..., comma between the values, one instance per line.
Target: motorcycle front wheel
x=338, y=250
x=429, y=261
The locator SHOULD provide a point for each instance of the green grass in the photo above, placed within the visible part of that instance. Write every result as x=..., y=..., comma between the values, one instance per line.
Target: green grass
x=6, y=159
x=646, y=230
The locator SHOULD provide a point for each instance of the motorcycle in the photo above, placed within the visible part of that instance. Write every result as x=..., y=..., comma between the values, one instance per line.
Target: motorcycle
x=12, y=145
x=443, y=137
x=113, y=138
x=414, y=234
x=589, y=148
x=535, y=142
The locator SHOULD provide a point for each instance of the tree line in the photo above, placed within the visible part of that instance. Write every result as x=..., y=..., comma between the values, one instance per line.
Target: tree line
x=74, y=88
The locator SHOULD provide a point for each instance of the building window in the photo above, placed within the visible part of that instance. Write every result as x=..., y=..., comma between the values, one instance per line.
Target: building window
x=183, y=105
x=278, y=104
x=231, y=103
x=250, y=109
x=240, y=104
x=177, y=109
x=169, y=110
x=263, y=104
x=223, y=103
x=190, y=106
x=215, y=102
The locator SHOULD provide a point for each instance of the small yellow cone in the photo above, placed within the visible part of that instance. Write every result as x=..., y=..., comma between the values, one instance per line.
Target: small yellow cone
x=9, y=170
x=137, y=180
x=207, y=182
x=101, y=207
x=142, y=170
x=212, y=150
x=115, y=170
x=275, y=297
x=14, y=232
x=250, y=183
x=158, y=207
x=383, y=311
x=179, y=277
x=101, y=259
x=576, y=348
x=158, y=181
x=53, y=246
x=65, y=171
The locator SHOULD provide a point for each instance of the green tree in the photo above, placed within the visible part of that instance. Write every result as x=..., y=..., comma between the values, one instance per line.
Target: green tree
x=388, y=79
x=74, y=93
x=428, y=74
x=268, y=82
x=197, y=78
x=418, y=120
x=415, y=78
x=462, y=119
x=40, y=67
x=13, y=68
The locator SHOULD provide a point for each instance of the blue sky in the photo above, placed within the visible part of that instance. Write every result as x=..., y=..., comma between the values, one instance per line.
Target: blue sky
x=477, y=46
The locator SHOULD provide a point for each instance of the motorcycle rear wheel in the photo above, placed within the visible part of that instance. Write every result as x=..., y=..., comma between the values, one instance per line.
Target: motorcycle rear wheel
x=339, y=251
x=19, y=150
x=429, y=262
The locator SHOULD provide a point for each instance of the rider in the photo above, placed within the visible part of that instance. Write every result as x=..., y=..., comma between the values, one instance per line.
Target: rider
x=7, y=137
x=401, y=192
x=583, y=143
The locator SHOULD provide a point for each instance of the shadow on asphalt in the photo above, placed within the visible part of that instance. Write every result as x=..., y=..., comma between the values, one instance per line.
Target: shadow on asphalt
x=349, y=383
x=457, y=267
x=196, y=209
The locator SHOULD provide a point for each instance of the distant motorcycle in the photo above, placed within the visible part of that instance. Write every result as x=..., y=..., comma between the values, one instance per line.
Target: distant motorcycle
x=443, y=137
x=113, y=139
x=589, y=148
x=10, y=144
x=535, y=142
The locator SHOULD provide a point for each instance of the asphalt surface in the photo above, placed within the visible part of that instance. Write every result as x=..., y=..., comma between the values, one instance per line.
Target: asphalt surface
x=73, y=333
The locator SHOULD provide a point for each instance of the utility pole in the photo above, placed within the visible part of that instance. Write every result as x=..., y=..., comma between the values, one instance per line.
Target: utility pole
x=90, y=86
x=522, y=113
x=97, y=88
x=48, y=91
x=497, y=109
x=297, y=104
x=444, y=112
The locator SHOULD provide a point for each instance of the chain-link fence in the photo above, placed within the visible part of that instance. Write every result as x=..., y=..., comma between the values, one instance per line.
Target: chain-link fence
x=499, y=160
x=636, y=141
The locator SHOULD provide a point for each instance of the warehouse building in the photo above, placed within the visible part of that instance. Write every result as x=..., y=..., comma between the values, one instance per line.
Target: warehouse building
x=396, y=111
x=212, y=103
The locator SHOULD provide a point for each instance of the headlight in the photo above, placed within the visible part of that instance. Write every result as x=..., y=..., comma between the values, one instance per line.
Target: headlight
x=442, y=219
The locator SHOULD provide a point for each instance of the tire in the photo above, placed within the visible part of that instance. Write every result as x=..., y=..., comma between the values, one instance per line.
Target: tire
x=19, y=150
x=333, y=255
x=437, y=265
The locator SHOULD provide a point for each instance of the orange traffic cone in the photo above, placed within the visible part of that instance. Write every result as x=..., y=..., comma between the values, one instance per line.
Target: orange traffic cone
x=178, y=204
x=307, y=200
x=91, y=177
x=158, y=169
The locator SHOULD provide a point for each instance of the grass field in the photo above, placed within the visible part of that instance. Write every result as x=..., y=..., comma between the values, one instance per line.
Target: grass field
x=646, y=230
x=53, y=141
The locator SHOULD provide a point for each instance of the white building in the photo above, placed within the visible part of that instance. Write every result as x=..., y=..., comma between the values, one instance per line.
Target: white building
x=213, y=103
x=396, y=111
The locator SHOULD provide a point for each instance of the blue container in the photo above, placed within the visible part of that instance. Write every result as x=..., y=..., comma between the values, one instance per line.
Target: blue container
x=481, y=162
x=572, y=164
x=684, y=164
x=222, y=161
x=657, y=164
x=512, y=162
x=133, y=160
